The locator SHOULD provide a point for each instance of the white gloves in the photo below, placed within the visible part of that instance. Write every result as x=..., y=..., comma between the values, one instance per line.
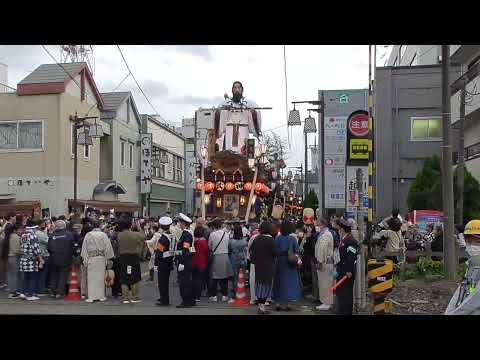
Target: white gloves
x=181, y=267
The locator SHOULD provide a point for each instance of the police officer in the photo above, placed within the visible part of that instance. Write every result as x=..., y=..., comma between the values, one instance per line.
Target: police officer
x=183, y=261
x=345, y=266
x=164, y=260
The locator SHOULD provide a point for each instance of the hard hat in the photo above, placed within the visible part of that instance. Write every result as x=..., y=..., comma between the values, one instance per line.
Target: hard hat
x=165, y=221
x=472, y=228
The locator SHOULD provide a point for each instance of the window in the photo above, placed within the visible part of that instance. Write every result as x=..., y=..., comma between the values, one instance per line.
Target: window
x=122, y=153
x=21, y=135
x=177, y=169
x=130, y=155
x=86, y=151
x=128, y=110
x=426, y=129
x=159, y=171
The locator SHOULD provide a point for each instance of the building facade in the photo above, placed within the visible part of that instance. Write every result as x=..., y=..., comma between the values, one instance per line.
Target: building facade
x=408, y=129
x=168, y=173
x=36, y=158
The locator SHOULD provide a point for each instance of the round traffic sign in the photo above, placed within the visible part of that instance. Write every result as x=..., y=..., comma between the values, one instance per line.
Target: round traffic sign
x=358, y=124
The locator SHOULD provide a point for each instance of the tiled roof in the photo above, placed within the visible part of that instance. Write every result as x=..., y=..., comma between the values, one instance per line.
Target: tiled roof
x=52, y=73
x=113, y=100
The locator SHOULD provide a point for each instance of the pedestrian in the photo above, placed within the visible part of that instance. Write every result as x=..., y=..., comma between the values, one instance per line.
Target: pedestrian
x=237, y=250
x=286, y=288
x=221, y=269
x=199, y=262
x=263, y=254
x=130, y=245
x=43, y=272
x=14, y=255
x=86, y=228
x=184, y=262
x=163, y=243
x=254, y=232
x=437, y=241
x=96, y=252
x=29, y=261
x=206, y=234
x=345, y=266
x=324, y=268
x=151, y=245
x=394, y=239
x=310, y=280
x=8, y=229
x=60, y=247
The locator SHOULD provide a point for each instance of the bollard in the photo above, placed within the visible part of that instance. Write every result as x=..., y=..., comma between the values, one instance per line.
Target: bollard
x=380, y=283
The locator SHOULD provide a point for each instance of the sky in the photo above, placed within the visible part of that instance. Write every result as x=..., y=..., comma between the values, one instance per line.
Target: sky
x=181, y=78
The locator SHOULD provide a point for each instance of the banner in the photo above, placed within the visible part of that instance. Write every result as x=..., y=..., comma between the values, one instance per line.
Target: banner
x=146, y=164
x=353, y=199
x=334, y=188
x=424, y=217
x=358, y=149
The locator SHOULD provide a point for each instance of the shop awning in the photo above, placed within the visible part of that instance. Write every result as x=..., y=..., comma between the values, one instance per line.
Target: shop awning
x=118, y=206
x=19, y=207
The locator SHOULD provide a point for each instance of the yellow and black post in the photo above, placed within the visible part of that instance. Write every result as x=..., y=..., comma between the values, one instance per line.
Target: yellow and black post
x=380, y=283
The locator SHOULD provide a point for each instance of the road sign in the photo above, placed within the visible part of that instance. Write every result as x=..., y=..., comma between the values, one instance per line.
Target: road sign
x=358, y=124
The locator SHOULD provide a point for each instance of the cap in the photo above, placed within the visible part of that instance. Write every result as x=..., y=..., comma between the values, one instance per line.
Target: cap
x=165, y=221
x=345, y=225
x=184, y=218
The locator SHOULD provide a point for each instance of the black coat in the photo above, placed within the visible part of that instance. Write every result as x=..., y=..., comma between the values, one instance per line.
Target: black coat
x=348, y=250
x=9, y=228
x=164, y=264
x=61, y=248
x=262, y=255
x=186, y=257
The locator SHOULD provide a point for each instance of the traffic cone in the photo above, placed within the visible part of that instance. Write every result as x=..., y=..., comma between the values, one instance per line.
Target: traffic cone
x=73, y=289
x=240, y=293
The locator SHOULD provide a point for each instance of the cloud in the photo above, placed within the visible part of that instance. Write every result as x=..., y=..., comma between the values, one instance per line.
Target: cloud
x=202, y=51
x=196, y=100
x=155, y=88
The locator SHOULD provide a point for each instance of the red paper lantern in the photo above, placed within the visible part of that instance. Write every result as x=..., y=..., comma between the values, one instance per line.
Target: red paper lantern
x=247, y=186
x=209, y=186
x=199, y=186
x=266, y=189
x=258, y=187
x=229, y=186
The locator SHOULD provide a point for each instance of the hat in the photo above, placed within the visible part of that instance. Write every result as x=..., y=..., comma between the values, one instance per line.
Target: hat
x=184, y=218
x=345, y=225
x=165, y=221
x=60, y=224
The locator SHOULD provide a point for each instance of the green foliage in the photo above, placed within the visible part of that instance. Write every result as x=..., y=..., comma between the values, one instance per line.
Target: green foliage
x=426, y=190
x=311, y=200
x=423, y=269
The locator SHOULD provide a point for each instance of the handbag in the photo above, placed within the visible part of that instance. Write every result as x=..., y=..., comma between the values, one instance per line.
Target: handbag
x=291, y=256
x=211, y=255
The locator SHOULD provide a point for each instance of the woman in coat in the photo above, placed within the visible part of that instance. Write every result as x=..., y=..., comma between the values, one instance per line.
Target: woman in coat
x=237, y=250
x=221, y=269
x=199, y=261
x=324, y=265
x=263, y=254
x=286, y=288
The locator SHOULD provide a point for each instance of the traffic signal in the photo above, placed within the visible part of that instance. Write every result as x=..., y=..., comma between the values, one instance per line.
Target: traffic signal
x=250, y=148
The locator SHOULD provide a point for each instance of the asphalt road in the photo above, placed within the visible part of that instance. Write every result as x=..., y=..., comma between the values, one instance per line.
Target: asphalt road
x=149, y=295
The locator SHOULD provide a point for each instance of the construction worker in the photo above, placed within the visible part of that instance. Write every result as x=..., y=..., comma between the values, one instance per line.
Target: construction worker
x=345, y=266
x=184, y=262
x=466, y=300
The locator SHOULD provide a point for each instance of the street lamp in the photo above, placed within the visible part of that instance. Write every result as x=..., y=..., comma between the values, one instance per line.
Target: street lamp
x=82, y=138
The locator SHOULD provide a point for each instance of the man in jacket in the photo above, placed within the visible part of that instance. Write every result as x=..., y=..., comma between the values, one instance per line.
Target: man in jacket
x=346, y=267
x=60, y=247
x=184, y=262
x=8, y=229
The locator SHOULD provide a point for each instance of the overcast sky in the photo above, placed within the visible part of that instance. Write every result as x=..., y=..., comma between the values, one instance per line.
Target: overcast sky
x=179, y=79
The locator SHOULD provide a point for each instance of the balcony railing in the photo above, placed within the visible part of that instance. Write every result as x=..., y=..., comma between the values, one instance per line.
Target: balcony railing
x=471, y=152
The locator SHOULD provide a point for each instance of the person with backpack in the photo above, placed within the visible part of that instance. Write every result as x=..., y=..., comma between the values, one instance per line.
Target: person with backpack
x=286, y=285
x=237, y=250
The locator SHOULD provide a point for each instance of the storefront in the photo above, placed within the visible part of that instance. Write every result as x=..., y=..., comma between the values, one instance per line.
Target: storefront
x=119, y=207
x=164, y=198
x=31, y=208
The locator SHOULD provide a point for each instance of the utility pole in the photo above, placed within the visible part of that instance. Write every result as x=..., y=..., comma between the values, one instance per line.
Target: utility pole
x=461, y=159
x=321, y=154
x=447, y=183
x=306, y=164
x=196, y=159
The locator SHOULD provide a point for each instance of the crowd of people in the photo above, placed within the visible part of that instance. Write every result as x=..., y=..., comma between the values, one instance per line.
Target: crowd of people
x=284, y=262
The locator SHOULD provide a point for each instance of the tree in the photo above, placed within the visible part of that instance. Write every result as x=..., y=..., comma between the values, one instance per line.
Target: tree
x=311, y=200
x=426, y=190
x=276, y=146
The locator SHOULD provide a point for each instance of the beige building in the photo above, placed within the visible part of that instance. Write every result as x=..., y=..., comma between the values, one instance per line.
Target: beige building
x=36, y=155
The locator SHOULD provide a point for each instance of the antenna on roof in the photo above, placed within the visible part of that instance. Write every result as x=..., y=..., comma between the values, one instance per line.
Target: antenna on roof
x=78, y=53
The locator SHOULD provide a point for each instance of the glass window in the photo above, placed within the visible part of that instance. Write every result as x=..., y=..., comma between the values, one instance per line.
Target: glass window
x=8, y=136
x=130, y=156
x=426, y=129
x=122, y=153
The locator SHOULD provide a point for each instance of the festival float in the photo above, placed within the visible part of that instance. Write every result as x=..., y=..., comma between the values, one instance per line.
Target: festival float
x=235, y=176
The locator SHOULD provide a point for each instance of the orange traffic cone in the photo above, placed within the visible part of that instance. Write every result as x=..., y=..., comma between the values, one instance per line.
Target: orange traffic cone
x=73, y=289
x=240, y=293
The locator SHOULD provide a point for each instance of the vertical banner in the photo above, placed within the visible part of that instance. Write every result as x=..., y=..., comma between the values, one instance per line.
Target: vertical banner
x=335, y=140
x=353, y=200
x=146, y=164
